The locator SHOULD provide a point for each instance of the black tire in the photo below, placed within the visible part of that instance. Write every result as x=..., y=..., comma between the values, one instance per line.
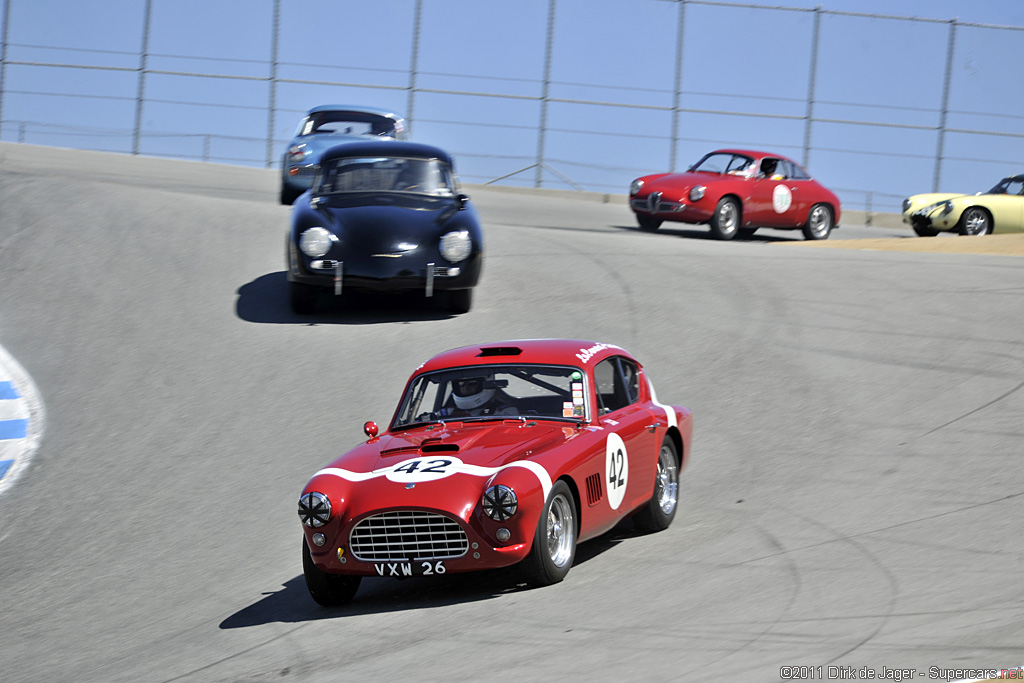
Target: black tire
x=302, y=298
x=925, y=232
x=819, y=222
x=459, y=300
x=660, y=510
x=288, y=195
x=648, y=222
x=329, y=590
x=554, y=542
x=974, y=221
x=725, y=222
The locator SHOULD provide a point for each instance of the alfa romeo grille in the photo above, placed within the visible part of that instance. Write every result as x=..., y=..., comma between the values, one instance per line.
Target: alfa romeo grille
x=407, y=534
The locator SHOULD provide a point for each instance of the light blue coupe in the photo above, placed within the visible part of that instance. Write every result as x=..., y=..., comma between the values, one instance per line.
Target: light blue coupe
x=327, y=126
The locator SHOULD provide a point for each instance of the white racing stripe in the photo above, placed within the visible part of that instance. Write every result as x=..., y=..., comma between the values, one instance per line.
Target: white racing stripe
x=456, y=466
x=670, y=413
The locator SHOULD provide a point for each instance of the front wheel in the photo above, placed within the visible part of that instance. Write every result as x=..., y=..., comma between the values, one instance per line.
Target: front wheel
x=975, y=221
x=725, y=222
x=459, y=300
x=288, y=195
x=819, y=223
x=648, y=222
x=554, y=543
x=660, y=510
x=329, y=590
x=302, y=298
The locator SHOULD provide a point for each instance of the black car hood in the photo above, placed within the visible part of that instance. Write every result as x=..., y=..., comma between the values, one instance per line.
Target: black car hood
x=380, y=222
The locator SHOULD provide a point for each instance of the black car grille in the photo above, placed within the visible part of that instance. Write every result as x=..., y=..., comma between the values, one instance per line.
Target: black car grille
x=407, y=534
x=653, y=203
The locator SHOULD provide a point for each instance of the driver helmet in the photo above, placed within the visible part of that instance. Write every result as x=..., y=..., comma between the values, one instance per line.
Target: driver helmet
x=472, y=392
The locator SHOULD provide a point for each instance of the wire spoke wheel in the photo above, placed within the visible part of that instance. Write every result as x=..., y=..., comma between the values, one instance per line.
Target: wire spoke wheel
x=974, y=221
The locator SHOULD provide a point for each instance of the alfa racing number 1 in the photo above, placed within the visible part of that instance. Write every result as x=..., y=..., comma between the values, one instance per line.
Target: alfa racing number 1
x=616, y=469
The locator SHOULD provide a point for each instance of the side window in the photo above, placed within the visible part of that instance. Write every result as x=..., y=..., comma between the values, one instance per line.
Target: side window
x=799, y=173
x=630, y=379
x=770, y=167
x=617, y=382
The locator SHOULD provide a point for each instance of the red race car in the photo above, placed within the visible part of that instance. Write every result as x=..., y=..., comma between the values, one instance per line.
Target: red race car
x=501, y=454
x=737, y=191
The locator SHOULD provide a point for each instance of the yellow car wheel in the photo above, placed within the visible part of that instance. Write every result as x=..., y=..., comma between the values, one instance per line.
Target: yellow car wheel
x=975, y=221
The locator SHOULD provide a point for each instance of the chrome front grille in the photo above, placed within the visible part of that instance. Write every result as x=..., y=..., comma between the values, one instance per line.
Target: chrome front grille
x=407, y=534
x=655, y=204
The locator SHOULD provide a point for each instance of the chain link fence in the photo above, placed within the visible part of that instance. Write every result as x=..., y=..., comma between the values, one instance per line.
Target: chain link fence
x=540, y=93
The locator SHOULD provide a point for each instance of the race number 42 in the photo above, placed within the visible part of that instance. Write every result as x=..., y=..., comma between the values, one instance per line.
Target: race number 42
x=616, y=467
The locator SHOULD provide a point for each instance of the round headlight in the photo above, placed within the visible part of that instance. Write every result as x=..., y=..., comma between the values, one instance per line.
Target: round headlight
x=500, y=503
x=697, y=192
x=906, y=204
x=456, y=245
x=314, y=509
x=635, y=186
x=315, y=242
x=947, y=208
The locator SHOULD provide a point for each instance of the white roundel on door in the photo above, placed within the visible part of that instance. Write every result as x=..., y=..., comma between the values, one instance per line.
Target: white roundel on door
x=616, y=470
x=782, y=198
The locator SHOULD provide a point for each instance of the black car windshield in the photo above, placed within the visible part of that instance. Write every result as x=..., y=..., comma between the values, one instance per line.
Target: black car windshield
x=1012, y=185
x=386, y=174
x=724, y=162
x=482, y=392
x=350, y=123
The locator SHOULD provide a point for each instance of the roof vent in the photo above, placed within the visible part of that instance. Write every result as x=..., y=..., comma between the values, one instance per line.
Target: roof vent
x=500, y=351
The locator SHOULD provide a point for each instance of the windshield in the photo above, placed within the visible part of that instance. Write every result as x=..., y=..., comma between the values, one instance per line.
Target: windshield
x=1014, y=185
x=351, y=123
x=483, y=392
x=386, y=174
x=724, y=162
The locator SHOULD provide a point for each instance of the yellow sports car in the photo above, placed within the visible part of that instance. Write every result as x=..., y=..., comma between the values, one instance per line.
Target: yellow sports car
x=1001, y=209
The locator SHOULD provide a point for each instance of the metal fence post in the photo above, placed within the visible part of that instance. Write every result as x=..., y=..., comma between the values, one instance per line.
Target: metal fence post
x=940, y=146
x=414, y=63
x=538, y=179
x=677, y=95
x=3, y=59
x=141, y=91
x=272, y=107
x=810, y=86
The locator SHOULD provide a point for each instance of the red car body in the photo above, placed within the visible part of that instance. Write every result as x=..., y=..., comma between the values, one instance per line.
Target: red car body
x=736, y=191
x=586, y=445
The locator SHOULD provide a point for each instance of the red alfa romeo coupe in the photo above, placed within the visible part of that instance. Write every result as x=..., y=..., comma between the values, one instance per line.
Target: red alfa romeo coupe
x=500, y=454
x=736, y=192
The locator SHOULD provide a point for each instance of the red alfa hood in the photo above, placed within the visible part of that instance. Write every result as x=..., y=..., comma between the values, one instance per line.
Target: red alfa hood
x=682, y=182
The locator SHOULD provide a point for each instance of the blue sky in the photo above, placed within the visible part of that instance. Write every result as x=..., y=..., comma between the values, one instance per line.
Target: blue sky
x=737, y=58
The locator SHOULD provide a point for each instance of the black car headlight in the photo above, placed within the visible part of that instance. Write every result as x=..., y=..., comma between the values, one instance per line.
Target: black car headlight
x=456, y=245
x=315, y=242
x=906, y=205
x=947, y=208
x=500, y=503
x=314, y=509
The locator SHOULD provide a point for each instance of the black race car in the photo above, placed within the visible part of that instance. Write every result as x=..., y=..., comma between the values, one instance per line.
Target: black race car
x=388, y=217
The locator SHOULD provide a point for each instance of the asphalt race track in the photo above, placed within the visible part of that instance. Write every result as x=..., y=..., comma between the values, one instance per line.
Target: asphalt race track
x=855, y=497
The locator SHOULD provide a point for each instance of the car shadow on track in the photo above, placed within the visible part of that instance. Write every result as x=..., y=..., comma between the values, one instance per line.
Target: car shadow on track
x=703, y=234
x=265, y=300
x=292, y=603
